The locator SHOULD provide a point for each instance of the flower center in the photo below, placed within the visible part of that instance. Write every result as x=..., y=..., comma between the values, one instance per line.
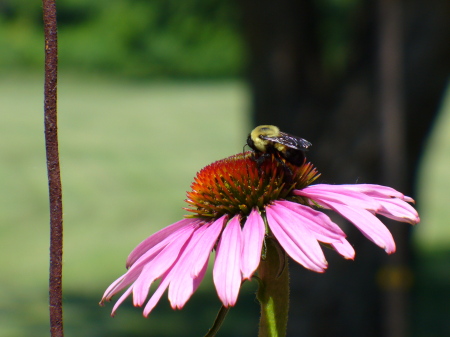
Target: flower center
x=236, y=184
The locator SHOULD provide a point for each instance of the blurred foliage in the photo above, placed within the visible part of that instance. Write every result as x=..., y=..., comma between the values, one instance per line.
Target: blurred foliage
x=154, y=38
x=338, y=20
x=139, y=38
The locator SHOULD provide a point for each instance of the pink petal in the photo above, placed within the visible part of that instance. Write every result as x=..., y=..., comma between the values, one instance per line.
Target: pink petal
x=253, y=236
x=156, y=238
x=227, y=267
x=169, y=276
x=199, y=277
x=319, y=223
x=393, y=204
x=295, y=238
x=193, y=267
x=182, y=285
x=135, y=270
x=374, y=190
x=344, y=248
x=109, y=291
x=368, y=224
x=206, y=244
x=408, y=199
x=338, y=194
x=398, y=210
x=323, y=229
x=154, y=299
x=162, y=261
x=121, y=299
x=159, y=265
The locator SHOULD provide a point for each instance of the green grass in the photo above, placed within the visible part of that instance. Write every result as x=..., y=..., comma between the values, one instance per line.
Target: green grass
x=129, y=151
x=431, y=294
x=434, y=230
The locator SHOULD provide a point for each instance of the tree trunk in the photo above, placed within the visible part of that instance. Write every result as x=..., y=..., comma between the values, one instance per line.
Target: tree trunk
x=368, y=123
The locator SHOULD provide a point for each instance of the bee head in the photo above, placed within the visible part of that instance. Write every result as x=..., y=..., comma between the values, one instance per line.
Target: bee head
x=250, y=142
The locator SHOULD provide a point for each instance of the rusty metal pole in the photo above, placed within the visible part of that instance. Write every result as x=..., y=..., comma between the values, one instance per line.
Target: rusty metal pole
x=53, y=169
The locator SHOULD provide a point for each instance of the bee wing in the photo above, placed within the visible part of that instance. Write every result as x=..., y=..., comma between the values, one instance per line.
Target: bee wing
x=291, y=141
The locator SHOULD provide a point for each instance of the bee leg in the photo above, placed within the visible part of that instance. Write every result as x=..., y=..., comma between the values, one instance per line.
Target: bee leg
x=259, y=159
x=289, y=175
x=287, y=170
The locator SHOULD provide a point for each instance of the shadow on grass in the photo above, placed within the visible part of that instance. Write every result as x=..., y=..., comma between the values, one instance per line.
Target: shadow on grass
x=83, y=317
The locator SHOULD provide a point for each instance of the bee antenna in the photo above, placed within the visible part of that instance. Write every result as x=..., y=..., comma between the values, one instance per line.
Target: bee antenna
x=243, y=149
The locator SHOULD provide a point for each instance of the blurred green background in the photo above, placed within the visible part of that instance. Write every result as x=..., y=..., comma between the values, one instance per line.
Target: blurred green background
x=145, y=101
x=139, y=38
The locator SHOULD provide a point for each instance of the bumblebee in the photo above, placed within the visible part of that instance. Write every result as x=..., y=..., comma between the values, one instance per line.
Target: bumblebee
x=268, y=139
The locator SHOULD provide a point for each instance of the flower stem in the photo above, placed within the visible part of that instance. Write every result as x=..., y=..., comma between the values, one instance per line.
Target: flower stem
x=218, y=322
x=273, y=292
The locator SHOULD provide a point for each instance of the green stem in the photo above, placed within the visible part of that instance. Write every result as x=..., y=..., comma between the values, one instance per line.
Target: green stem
x=218, y=322
x=273, y=292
